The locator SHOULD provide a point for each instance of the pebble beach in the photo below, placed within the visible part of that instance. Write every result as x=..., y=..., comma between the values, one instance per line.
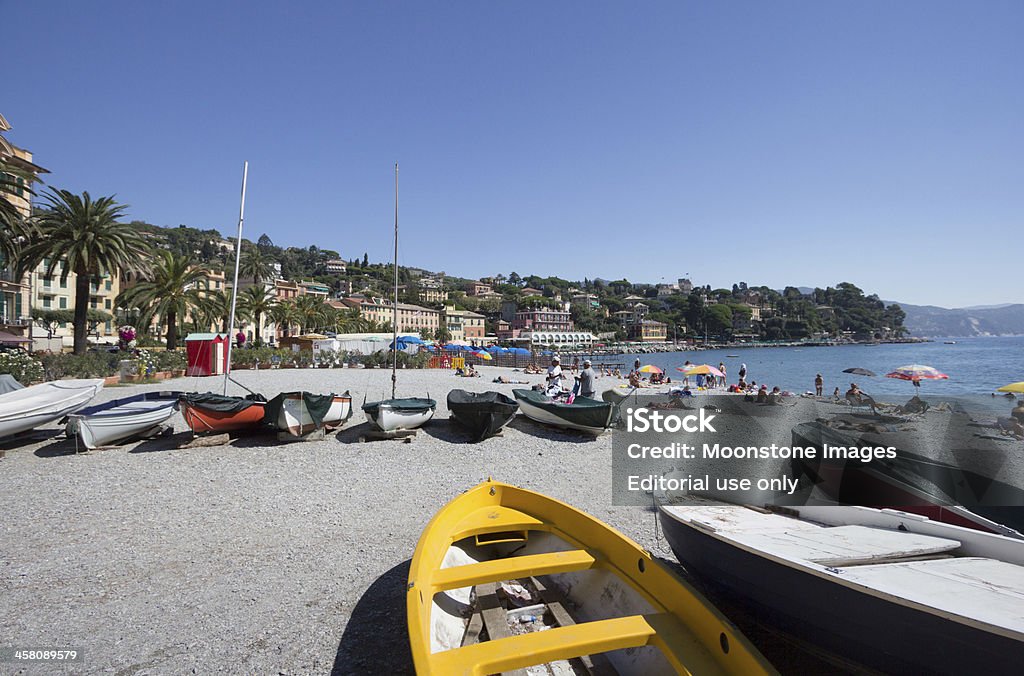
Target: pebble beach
x=260, y=556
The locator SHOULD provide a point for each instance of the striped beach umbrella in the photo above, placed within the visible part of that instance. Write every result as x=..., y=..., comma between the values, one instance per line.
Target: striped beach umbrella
x=701, y=370
x=916, y=373
x=650, y=368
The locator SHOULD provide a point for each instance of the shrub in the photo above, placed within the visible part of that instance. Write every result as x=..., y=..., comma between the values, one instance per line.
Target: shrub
x=21, y=366
x=88, y=365
x=170, y=360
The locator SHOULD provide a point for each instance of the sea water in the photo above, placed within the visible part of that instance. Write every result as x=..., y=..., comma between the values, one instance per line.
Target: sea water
x=974, y=365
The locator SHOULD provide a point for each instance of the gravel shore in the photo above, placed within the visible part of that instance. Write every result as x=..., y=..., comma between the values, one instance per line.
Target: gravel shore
x=259, y=556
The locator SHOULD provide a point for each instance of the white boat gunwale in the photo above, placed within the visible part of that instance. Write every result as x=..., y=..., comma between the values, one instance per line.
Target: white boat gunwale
x=835, y=574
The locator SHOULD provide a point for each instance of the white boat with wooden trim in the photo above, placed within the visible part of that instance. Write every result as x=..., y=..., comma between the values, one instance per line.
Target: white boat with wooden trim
x=301, y=413
x=890, y=590
x=504, y=579
x=122, y=419
x=28, y=408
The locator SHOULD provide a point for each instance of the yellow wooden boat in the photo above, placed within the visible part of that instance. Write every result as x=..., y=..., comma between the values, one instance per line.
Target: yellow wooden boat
x=504, y=579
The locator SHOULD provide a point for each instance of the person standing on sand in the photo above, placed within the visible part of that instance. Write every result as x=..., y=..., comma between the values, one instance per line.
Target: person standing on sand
x=743, y=371
x=686, y=378
x=554, y=377
x=721, y=379
x=587, y=377
x=636, y=364
x=819, y=385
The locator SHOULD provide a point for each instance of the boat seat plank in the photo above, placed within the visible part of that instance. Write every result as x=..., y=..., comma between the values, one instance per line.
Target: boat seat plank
x=596, y=665
x=845, y=545
x=988, y=590
x=729, y=519
x=559, y=643
x=511, y=568
x=494, y=520
x=493, y=617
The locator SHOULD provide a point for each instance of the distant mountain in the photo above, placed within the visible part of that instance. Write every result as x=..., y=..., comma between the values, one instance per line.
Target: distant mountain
x=986, y=320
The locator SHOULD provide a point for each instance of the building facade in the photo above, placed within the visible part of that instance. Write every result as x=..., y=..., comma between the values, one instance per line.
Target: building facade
x=464, y=325
x=542, y=319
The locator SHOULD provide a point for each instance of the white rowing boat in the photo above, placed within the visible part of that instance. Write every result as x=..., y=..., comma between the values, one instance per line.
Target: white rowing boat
x=30, y=407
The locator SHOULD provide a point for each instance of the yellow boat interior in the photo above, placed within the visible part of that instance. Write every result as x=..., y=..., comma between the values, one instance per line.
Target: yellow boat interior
x=507, y=580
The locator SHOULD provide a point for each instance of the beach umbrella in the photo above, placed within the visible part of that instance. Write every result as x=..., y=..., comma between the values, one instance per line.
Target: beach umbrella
x=519, y=350
x=916, y=373
x=701, y=370
x=482, y=354
x=860, y=372
x=650, y=368
x=1013, y=387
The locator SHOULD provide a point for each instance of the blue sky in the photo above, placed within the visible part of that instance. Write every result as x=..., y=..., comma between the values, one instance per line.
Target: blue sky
x=774, y=143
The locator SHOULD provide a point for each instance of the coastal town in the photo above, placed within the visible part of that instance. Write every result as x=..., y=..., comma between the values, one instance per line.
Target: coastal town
x=287, y=293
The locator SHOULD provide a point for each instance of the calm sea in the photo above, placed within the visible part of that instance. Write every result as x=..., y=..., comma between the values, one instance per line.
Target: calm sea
x=974, y=365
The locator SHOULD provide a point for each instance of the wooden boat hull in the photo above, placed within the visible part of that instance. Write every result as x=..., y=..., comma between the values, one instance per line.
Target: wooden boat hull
x=27, y=408
x=340, y=411
x=629, y=609
x=204, y=420
x=588, y=415
x=819, y=607
x=393, y=415
x=483, y=414
x=122, y=419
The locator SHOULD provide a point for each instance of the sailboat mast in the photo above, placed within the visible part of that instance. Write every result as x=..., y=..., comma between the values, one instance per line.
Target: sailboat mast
x=394, y=322
x=234, y=286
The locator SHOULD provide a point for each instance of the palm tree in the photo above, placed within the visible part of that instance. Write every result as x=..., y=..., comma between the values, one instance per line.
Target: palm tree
x=86, y=235
x=350, y=320
x=170, y=292
x=256, y=265
x=15, y=230
x=214, y=308
x=254, y=302
x=286, y=315
x=313, y=312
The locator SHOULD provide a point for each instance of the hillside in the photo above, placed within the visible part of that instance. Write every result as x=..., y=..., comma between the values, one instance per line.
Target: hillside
x=929, y=320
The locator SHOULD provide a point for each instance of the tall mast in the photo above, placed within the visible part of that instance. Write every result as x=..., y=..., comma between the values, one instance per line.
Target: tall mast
x=234, y=287
x=394, y=321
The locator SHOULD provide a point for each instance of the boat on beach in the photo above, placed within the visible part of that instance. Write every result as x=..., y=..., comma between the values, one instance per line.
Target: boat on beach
x=482, y=413
x=887, y=589
x=583, y=414
x=122, y=419
x=909, y=482
x=301, y=413
x=504, y=578
x=394, y=414
x=26, y=408
x=210, y=413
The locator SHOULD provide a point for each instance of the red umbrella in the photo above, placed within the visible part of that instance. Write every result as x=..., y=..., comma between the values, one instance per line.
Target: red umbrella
x=916, y=373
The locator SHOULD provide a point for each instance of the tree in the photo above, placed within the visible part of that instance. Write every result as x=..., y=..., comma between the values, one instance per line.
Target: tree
x=87, y=236
x=169, y=292
x=15, y=230
x=51, y=320
x=312, y=311
x=255, y=302
x=366, y=261
x=286, y=315
x=256, y=266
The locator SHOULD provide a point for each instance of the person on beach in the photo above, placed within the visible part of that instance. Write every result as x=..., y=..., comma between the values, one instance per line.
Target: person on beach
x=836, y=392
x=854, y=395
x=819, y=385
x=762, y=395
x=554, y=376
x=575, y=364
x=586, y=379
x=775, y=396
x=686, y=379
x=634, y=380
x=743, y=371
x=721, y=378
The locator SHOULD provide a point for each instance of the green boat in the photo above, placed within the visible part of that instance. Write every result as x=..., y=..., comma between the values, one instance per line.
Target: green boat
x=583, y=414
